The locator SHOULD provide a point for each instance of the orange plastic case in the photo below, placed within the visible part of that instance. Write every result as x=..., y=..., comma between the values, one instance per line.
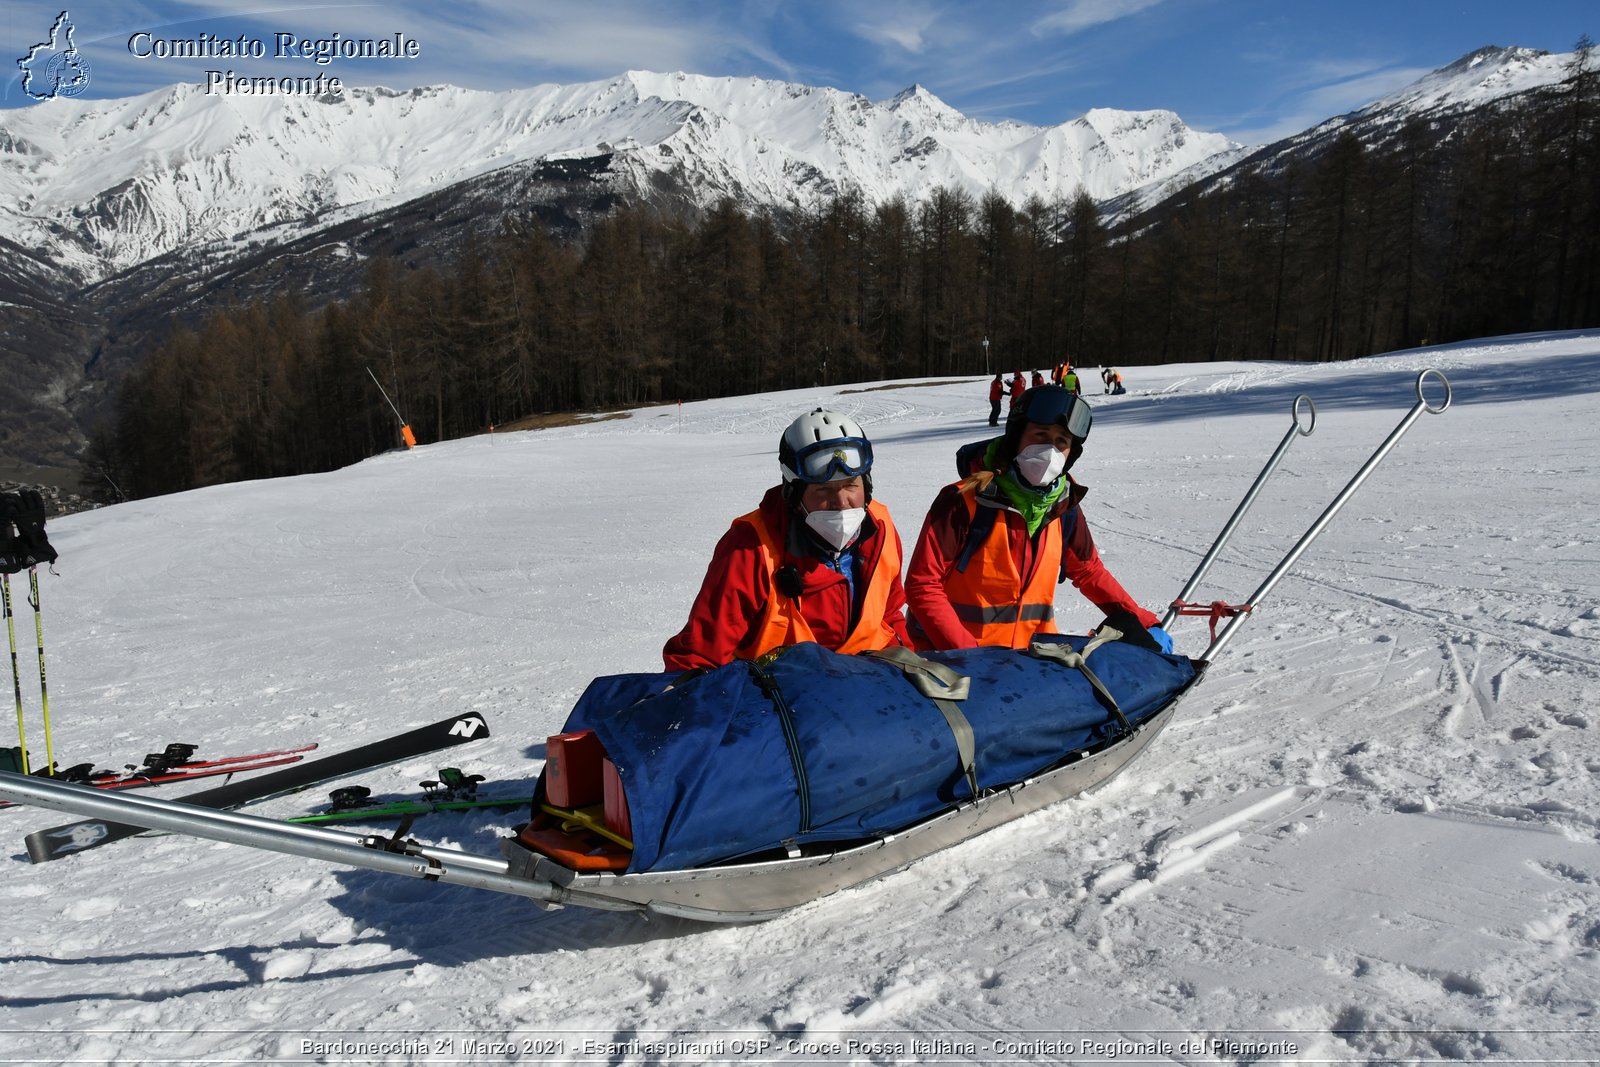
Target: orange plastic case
x=572, y=777
x=616, y=801
x=581, y=850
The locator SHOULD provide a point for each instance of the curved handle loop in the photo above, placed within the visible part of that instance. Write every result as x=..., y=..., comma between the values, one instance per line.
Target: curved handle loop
x=1448, y=392
x=1294, y=414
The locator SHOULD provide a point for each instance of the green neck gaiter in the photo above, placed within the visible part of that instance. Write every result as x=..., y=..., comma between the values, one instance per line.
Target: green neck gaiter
x=1032, y=504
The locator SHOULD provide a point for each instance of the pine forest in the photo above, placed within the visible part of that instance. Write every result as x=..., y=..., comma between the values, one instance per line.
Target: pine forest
x=1441, y=232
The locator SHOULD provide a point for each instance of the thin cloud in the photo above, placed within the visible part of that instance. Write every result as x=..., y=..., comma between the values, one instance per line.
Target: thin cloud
x=1080, y=15
x=1322, y=102
x=909, y=35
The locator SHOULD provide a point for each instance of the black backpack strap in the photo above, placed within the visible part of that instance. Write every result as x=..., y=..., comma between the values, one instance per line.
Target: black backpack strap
x=1069, y=519
x=977, y=531
x=969, y=461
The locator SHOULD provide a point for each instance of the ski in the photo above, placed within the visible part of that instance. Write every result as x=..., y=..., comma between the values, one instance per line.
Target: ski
x=177, y=757
x=172, y=765
x=452, y=791
x=141, y=779
x=58, y=841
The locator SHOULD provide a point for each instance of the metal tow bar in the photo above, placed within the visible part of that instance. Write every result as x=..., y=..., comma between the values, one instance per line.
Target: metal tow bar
x=1295, y=430
x=1339, y=501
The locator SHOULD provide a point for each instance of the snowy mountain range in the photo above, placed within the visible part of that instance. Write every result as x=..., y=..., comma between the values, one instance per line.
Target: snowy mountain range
x=97, y=187
x=1478, y=79
x=120, y=217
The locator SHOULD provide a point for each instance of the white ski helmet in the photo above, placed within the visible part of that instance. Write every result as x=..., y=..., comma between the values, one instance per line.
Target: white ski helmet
x=824, y=446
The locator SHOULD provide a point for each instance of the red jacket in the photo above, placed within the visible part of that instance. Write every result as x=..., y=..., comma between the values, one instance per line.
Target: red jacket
x=738, y=584
x=944, y=534
x=996, y=391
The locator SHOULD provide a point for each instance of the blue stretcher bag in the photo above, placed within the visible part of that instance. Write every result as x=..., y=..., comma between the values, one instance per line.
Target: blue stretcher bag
x=815, y=746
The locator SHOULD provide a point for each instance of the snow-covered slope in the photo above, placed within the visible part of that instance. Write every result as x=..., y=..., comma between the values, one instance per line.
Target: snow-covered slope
x=1477, y=78
x=103, y=185
x=1370, y=833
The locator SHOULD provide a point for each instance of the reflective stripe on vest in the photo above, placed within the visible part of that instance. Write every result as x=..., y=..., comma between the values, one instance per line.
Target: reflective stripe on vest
x=782, y=622
x=1005, y=613
x=989, y=597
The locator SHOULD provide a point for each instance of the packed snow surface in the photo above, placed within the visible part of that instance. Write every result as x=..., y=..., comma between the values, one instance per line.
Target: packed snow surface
x=1370, y=834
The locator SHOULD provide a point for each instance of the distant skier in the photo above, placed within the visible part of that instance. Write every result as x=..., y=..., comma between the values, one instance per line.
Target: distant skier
x=997, y=389
x=1038, y=379
x=1069, y=382
x=1018, y=387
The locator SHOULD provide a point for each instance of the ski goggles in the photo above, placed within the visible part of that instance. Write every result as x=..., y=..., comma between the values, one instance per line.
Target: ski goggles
x=831, y=461
x=1051, y=405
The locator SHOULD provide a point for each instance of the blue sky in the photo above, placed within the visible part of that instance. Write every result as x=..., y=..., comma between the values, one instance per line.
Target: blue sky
x=1252, y=69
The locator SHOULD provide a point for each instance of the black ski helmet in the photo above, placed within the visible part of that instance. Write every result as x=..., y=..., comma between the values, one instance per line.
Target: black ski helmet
x=1048, y=405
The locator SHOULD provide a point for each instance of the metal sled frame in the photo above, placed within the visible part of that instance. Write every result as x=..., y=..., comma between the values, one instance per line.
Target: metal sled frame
x=734, y=892
x=764, y=889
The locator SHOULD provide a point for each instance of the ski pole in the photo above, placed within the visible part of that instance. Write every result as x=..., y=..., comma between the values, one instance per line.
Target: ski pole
x=44, y=690
x=390, y=855
x=16, y=675
x=1295, y=430
x=1345, y=494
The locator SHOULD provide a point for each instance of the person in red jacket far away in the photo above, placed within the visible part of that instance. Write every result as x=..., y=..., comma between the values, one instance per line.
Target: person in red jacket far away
x=1018, y=387
x=817, y=560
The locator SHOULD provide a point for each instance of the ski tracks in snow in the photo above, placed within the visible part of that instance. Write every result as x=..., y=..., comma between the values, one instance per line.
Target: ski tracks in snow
x=1181, y=849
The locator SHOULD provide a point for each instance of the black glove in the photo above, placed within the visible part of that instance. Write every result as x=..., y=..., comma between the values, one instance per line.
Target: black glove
x=23, y=512
x=1133, y=631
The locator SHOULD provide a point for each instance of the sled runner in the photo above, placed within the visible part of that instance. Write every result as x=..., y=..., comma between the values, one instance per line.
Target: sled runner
x=743, y=792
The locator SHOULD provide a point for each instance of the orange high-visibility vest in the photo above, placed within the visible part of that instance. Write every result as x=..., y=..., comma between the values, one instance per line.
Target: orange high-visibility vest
x=782, y=624
x=989, y=598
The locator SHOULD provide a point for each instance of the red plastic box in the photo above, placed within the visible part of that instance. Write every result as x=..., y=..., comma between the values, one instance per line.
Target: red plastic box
x=572, y=777
x=618, y=821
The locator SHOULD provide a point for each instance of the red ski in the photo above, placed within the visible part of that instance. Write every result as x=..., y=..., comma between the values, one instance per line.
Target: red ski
x=139, y=779
x=174, y=765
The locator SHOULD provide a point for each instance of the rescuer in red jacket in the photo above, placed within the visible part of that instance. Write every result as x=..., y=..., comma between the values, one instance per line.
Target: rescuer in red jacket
x=817, y=560
x=995, y=544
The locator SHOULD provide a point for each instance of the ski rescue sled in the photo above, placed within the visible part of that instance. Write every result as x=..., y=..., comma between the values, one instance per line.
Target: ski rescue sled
x=749, y=790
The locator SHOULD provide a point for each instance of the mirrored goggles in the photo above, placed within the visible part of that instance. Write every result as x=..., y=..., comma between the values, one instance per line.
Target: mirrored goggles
x=1051, y=406
x=831, y=461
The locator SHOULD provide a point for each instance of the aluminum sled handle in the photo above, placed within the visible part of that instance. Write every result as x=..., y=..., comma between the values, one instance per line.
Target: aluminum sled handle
x=295, y=839
x=1295, y=430
x=1339, y=501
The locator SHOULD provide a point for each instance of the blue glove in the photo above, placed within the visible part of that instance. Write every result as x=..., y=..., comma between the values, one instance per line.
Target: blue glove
x=1162, y=638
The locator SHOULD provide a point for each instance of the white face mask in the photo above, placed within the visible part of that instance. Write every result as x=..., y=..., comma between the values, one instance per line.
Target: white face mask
x=838, y=528
x=1041, y=465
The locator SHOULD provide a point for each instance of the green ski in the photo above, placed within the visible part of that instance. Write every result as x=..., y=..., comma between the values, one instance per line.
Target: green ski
x=452, y=791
